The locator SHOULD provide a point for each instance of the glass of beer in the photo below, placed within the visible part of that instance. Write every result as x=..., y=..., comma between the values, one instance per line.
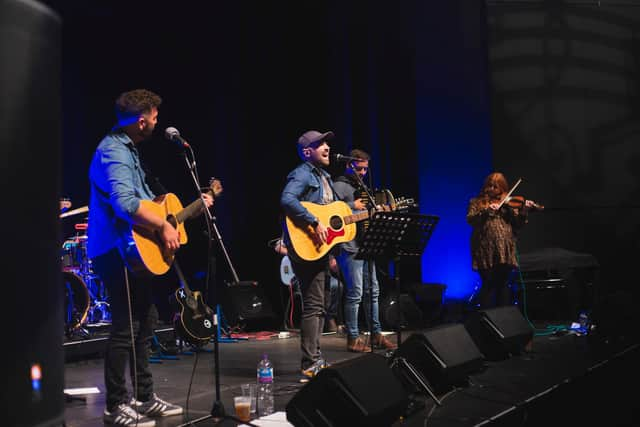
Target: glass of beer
x=242, y=406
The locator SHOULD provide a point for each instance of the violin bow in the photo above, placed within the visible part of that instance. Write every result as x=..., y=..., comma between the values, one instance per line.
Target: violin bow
x=510, y=192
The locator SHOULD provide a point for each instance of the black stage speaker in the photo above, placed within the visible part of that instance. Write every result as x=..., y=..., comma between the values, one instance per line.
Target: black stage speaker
x=30, y=148
x=444, y=355
x=499, y=332
x=359, y=392
x=396, y=316
x=429, y=298
x=246, y=305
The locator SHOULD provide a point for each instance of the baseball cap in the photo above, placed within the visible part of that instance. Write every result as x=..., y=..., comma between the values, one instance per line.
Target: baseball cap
x=313, y=136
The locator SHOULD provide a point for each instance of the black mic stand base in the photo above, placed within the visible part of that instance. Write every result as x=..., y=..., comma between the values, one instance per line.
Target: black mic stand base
x=218, y=414
x=218, y=411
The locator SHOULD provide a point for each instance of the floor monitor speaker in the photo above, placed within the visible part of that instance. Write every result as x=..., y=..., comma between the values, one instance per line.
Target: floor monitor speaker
x=445, y=356
x=359, y=392
x=499, y=332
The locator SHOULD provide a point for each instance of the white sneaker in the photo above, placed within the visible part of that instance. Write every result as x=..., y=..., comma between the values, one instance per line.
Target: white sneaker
x=125, y=415
x=156, y=407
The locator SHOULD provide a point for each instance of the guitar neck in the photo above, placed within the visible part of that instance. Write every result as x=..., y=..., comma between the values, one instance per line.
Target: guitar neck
x=350, y=219
x=192, y=209
x=181, y=279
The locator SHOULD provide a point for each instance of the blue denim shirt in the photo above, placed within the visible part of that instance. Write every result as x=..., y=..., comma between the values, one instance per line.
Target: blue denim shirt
x=303, y=185
x=117, y=185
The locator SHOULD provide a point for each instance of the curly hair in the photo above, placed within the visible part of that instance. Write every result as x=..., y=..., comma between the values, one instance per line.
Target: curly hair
x=136, y=102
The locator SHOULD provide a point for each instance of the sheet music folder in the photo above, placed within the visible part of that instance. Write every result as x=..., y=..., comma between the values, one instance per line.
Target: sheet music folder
x=396, y=234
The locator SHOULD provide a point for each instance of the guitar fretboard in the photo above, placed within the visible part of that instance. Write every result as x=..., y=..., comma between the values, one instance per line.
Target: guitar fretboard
x=350, y=219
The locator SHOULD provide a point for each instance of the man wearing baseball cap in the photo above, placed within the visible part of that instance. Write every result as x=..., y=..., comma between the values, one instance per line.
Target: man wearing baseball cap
x=311, y=183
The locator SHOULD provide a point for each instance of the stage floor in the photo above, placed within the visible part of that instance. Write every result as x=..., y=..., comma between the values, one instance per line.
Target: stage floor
x=563, y=380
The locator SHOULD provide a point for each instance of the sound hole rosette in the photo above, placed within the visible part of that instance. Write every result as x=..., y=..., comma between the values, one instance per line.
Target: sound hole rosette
x=336, y=222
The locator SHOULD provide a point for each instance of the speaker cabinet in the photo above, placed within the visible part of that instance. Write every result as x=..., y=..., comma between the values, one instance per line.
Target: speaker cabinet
x=245, y=304
x=30, y=144
x=395, y=316
x=359, y=392
x=444, y=355
x=499, y=332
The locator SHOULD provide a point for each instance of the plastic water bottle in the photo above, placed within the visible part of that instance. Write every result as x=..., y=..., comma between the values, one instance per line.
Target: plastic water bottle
x=583, y=320
x=265, y=387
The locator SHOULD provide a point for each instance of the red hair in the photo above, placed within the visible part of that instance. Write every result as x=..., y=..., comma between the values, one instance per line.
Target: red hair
x=494, y=179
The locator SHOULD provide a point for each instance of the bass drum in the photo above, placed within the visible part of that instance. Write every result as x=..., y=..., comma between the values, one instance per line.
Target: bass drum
x=77, y=301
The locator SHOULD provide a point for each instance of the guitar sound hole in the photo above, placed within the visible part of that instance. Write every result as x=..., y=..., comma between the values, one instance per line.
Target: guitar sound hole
x=335, y=222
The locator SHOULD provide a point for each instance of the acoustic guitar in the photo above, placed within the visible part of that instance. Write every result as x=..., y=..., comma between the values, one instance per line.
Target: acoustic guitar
x=341, y=227
x=144, y=250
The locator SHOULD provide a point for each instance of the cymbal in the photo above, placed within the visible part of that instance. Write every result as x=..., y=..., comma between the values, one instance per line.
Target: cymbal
x=77, y=211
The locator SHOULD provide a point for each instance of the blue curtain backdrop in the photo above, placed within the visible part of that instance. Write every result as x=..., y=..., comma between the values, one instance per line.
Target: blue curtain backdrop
x=453, y=133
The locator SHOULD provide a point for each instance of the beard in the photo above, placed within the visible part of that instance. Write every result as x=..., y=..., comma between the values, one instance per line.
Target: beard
x=146, y=133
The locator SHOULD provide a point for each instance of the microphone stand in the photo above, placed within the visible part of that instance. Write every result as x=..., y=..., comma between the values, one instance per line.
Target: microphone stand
x=372, y=201
x=217, y=409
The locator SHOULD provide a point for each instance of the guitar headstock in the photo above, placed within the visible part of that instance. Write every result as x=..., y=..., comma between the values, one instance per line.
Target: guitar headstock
x=216, y=187
x=404, y=203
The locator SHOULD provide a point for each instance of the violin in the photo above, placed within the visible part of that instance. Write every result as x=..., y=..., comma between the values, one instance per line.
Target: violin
x=518, y=202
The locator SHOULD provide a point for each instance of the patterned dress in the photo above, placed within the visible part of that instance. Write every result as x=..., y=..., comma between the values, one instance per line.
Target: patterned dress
x=493, y=239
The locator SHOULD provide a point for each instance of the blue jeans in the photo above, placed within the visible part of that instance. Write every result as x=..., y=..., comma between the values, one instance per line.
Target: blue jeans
x=356, y=278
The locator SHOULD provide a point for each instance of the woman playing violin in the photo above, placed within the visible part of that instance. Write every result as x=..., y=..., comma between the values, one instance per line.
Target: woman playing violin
x=493, y=240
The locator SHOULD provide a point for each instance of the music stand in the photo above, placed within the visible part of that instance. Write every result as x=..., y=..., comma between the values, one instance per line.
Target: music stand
x=394, y=235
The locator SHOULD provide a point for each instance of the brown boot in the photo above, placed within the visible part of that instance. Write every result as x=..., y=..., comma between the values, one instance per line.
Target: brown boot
x=357, y=345
x=380, y=341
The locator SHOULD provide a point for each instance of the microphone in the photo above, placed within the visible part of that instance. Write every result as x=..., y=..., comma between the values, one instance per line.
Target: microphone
x=343, y=158
x=173, y=135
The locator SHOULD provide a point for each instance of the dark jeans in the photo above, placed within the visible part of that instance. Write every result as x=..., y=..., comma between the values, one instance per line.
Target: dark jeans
x=118, y=352
x=312, y=276
x=333, y=295
x=495, y=286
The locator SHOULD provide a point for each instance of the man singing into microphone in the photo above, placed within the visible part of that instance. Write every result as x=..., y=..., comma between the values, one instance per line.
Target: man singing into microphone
x=118, y=185
x=311, y=183
x=361, y=281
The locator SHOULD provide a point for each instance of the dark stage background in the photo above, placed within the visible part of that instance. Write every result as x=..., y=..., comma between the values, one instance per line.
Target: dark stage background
x=566, y=117
x=554, y=101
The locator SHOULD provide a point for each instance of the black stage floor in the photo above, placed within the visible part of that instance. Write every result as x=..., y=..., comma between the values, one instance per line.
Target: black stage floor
x=563, y=380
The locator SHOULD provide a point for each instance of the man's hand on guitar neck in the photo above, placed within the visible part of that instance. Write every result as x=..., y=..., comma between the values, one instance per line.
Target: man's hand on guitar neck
x=208, y=199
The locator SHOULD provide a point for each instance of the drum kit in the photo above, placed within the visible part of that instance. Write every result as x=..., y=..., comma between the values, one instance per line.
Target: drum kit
x=86, y=299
